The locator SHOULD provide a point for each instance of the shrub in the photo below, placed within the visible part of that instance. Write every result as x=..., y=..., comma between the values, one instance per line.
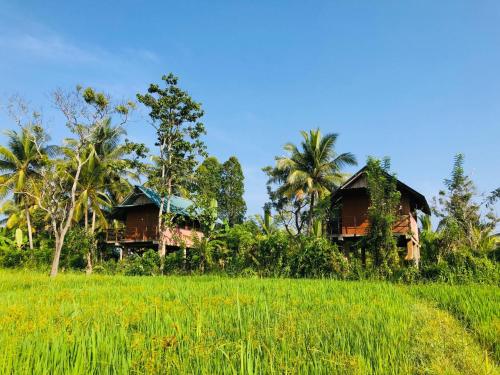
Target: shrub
x=173, y=262
x=108, y=267
x=146, y=265
x=41, y=257
x=408, y=275
x=12, y=257
x=317, y=257
x=77, y=244
x=463, y=269
x=271, y=254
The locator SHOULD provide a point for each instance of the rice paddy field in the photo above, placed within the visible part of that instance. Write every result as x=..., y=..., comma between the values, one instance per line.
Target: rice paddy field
x=77, y=324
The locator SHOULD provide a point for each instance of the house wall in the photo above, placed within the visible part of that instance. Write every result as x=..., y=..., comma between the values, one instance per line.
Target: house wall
x=355, y=203
x=141, y=225
x=354, y=218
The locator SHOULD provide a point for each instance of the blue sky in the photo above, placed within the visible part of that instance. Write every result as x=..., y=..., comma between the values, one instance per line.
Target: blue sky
x=415, y=80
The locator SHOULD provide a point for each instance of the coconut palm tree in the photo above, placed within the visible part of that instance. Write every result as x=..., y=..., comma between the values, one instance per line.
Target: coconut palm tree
x=314, y=169
x=105, y=177
x=20, y=161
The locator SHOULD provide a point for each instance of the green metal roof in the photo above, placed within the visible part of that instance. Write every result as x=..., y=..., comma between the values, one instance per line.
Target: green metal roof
x=178, y=205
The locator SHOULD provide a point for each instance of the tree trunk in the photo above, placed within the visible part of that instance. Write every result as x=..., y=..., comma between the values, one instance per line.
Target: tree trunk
x=57, y=256
x=161, y=232
x=311, y=212
x=66, y=222
x=162, y=247
x=92, y=229
x=28, y=222
x=86, y=213
x=88, y=270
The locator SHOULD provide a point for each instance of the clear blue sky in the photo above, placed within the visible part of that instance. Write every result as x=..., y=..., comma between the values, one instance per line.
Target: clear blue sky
x=415, y=80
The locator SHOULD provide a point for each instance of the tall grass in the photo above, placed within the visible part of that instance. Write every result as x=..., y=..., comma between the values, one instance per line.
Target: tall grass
x=476, y=306
x=108, y=325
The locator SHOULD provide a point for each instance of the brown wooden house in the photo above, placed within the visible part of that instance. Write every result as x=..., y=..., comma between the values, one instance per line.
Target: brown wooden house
x=137, y=216
x=352, y=222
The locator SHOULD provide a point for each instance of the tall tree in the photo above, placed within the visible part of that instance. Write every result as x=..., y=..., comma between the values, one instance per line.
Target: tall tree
x=461, y=226
x=208, y=180
x=84, y=110
x=175, y=116
x=19, y=162
x=289, y=209
x=382, y=213
x=313, y=170
x=232, y=205
x=105, y=179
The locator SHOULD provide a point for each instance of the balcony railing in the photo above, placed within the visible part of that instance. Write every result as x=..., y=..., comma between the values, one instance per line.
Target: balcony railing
x=132, y=234
x=173, y=237
x=359, y=225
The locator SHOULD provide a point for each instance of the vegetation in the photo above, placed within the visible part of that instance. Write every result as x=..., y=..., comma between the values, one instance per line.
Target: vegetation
x=382, y=214
x=77, y=324
x=305, y=178
x=476, y=306
x=50, y=192
x=223, y=183
x=175, y=117
x=57, y=203
x=232, y=206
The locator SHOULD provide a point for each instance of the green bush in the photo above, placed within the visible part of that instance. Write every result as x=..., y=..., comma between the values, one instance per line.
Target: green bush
x=146, y=265
x=408, y=275
x=271, y=257
x=463, y=269
x=12, y=257
x=108, y=267
x=173, y=262
x=77, y=244
x=318, y=257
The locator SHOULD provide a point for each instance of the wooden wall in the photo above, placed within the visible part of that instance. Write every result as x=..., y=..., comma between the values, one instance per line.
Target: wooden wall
x=354, y=218
x=142, y=223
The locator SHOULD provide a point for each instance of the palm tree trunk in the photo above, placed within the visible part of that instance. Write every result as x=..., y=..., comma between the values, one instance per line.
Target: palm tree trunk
x=86, y=214
x=89, y=268
x=311, y=212
x=92, y=229
x=28, y=222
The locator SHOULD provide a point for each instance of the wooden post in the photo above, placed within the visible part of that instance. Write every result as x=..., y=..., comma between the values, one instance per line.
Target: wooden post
x=345, y=247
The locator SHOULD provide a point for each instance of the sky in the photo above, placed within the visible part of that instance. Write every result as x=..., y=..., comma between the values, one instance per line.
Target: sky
x=418, y=81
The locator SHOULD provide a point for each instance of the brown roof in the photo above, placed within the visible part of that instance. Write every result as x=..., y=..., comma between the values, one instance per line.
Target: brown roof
x=355, y=182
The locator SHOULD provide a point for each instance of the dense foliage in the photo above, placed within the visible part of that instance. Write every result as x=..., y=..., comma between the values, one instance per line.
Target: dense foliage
x=382, y=214
x=223, y=183
x=176, y=119
x=57, y=201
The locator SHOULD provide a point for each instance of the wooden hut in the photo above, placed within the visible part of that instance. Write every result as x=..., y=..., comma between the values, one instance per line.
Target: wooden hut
x=351, y=201
x=137, y=218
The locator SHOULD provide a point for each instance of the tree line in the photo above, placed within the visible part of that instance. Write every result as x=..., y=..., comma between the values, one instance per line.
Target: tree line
x=57, y=199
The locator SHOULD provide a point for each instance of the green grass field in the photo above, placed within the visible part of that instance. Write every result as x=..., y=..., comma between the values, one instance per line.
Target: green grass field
x=99, y=325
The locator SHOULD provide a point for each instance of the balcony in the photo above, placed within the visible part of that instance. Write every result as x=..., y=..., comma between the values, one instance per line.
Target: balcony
x=173, y=237
x=352, y=226
x=132, y=234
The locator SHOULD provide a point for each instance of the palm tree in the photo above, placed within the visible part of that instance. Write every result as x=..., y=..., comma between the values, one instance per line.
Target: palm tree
x=315, y=169
x=20, y=161
x=104, y=179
